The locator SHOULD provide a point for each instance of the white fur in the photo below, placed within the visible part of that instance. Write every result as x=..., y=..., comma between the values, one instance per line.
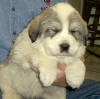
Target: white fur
x=17, y=79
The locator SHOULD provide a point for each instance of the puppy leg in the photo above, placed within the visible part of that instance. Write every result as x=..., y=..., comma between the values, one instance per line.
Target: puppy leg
x=75, y=73
x=54, y=92
x=48, y=72
x=9, y=93
x=47, y=68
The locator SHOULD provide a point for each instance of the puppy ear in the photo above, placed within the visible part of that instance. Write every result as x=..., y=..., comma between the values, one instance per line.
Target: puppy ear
x=86, y=33
x=34, y=25
x=34, y=28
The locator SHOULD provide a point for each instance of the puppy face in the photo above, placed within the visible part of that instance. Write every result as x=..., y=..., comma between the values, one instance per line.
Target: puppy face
x=61, y=31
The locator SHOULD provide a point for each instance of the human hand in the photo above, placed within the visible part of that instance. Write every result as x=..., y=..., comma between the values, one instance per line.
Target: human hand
x=61, y=79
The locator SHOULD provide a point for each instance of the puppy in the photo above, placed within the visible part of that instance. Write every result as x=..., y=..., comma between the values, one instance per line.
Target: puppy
x=55, y=36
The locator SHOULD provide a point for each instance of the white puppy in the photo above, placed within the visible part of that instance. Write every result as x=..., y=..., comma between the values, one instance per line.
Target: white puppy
x=55, y=36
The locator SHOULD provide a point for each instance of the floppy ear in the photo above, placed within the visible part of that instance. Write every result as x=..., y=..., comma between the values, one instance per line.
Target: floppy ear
x=34, y=28
x=34, y=25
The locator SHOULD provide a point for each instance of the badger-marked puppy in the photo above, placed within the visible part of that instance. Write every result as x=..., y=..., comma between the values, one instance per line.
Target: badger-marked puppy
x=55, y=36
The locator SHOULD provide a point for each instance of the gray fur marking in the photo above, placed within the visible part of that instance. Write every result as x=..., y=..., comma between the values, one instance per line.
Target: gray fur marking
x=77, y=27
x=50, y=26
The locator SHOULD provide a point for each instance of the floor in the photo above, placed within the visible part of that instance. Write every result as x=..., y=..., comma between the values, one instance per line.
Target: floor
x=92, y=64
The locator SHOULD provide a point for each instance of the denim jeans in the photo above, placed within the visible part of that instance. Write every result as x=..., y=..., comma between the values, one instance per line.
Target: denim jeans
x=89, y=90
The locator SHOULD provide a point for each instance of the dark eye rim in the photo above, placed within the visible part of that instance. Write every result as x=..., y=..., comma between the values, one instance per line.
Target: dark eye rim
x=53, y=31
x=56, y=30
x=75, y=31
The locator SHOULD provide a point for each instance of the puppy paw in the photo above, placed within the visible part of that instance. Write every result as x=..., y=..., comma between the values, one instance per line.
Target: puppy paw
x=75, y=75
x=47, y=77
x=75, y=81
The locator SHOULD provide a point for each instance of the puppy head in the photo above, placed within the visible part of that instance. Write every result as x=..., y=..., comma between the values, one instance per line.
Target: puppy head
x=61, y=29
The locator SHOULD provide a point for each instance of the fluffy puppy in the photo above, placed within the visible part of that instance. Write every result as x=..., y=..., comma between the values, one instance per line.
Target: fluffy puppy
x=55, y=36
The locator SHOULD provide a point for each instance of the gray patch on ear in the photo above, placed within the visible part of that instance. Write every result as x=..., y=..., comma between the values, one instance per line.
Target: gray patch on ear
x=34, y=29
x=33, y=34
x=40, y=23
x=77, y=27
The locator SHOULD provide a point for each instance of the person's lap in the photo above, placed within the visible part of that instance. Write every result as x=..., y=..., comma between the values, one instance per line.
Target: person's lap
x=89, y=90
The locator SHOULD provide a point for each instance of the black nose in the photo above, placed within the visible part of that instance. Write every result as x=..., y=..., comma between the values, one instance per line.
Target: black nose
x=64, y=47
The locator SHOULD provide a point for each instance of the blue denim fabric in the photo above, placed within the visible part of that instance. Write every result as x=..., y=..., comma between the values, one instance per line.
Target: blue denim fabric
x=89, y=90
x=14, y=16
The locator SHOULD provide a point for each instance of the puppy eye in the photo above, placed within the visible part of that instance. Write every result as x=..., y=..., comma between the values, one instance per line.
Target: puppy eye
x=52, y=32
x=75, y=31
x=77, y=34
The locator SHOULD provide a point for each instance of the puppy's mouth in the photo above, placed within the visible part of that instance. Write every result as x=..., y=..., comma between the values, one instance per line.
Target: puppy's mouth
x=62, y=54
x=65, y=51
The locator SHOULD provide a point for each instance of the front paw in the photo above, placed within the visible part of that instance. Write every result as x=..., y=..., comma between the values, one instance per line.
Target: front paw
x=75, y=75
x=47, y=76
x=74, y=81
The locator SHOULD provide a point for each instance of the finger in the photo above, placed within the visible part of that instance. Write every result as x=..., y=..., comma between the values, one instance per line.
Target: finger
x=60, y=75
x=60, y=72
x=34, y=68
x=61, y=67
x=82, y=58
x=61, y=83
